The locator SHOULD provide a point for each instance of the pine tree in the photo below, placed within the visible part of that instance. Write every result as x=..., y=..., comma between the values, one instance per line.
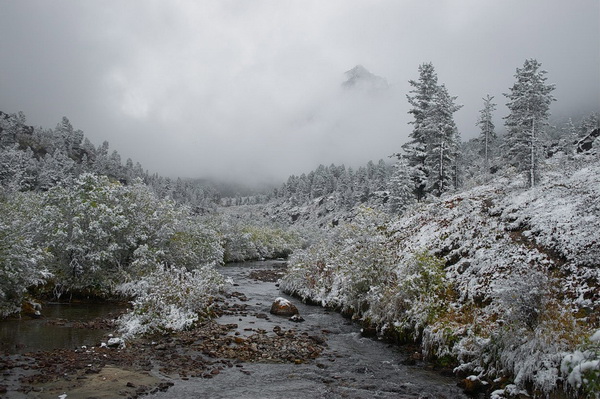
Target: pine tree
x=416, y=149
x=443, y=141
x=529, y=104
x=433, y=147
x=400, y=187
x=589, y=123
x=487, y=136
x=381, y=175
x=570, y=136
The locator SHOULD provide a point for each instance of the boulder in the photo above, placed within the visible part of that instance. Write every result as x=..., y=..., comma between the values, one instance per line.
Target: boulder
x=472, y=385
x=297, y=318
x=115, y=343
x=31, y=308
x=283, y=307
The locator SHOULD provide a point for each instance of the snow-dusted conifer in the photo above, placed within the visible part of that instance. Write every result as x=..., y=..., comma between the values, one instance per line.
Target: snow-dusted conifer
x=589, y=123
x=442, y=143
x=420, y=99
x=433, y=147
x=400, y=187
x=381, y=175
x=10, y=126
x=487, y=137
x=529, y=104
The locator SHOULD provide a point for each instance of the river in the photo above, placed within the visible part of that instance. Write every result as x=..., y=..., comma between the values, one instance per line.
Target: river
x=352, y=366
x=55, y=329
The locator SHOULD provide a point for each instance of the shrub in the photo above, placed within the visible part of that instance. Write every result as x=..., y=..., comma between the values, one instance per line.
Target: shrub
x=244, y=241
x=101, y=233
x=169, y=299
x=22, y=259
x=419, y=294
x=581, y=368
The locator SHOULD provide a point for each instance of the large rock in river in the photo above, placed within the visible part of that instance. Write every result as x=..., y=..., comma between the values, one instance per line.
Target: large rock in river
x=283, y=307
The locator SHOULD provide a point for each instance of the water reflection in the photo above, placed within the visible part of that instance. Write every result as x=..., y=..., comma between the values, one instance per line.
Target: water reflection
x=55, y=329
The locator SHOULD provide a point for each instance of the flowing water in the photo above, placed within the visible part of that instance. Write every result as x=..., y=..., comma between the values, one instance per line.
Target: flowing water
x=351, y=366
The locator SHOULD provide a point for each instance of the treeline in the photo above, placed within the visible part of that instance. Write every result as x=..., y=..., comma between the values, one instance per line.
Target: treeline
x=36, y=159
x=352, y=186
x=435, y=160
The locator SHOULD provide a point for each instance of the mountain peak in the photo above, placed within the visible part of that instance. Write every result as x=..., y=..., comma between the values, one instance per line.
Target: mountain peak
x=360, y=77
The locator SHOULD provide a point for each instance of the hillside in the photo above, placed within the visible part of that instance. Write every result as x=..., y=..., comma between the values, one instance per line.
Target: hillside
x=499, y=281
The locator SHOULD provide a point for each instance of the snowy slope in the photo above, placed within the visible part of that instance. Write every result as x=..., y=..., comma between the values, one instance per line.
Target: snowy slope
x=516, y=284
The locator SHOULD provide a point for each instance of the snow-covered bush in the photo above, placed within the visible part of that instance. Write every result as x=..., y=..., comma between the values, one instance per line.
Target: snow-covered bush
x=416, y=298
x=345, y=268
x=192, y=244
x=255, y=239
x=169, y=299
x=358, y=271
x=310, y=274
x=22, y=259
x=102, y=233
x=534, y=329
x=581, y=368
x=522, y=297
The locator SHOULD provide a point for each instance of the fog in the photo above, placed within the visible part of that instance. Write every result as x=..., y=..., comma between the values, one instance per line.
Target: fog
x=252, y=90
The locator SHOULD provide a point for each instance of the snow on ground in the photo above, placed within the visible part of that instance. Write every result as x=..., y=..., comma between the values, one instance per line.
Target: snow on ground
x=518, y=287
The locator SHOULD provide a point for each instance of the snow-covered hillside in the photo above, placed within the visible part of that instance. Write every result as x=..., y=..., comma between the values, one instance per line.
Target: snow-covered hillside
x=500, y=280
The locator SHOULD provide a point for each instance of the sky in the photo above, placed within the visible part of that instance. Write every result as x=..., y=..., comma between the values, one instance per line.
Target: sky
x=251, y=90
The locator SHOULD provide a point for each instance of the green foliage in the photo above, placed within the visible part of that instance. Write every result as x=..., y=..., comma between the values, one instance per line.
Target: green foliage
x=346, y=269
x=90, y=236
x=420, y=296
x=94, y=227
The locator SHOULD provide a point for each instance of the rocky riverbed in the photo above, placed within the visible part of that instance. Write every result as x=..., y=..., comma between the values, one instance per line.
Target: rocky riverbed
x=149, y=364
x=243, y=352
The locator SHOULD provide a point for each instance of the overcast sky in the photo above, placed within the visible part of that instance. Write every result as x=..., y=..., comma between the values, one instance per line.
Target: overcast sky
x=252, y=89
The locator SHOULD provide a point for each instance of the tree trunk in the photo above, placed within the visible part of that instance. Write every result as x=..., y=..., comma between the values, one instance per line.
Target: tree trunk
x=532, y=160
x=441, y=167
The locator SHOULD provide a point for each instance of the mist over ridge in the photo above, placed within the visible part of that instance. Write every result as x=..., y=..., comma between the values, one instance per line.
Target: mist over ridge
x=256, y=92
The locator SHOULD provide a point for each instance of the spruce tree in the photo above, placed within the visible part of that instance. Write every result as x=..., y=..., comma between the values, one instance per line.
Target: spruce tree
x=431, y=153
x=415, y=150
x=400, y=187
x=487, y=136
x=529, y=104
x=442, y=143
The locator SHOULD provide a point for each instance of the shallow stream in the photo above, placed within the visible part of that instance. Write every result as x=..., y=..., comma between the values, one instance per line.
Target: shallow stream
x=352, y=366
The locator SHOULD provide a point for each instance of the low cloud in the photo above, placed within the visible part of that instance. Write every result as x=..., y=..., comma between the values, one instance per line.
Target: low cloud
x=254, y=90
